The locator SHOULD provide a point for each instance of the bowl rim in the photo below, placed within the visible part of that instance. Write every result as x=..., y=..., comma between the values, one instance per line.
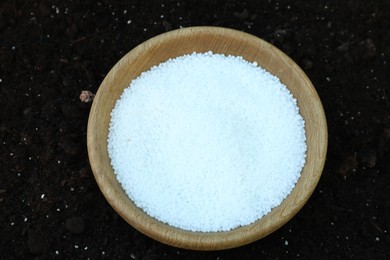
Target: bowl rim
x=188, y=239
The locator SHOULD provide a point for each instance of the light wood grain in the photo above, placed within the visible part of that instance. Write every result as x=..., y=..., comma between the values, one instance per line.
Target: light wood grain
x=218, y=40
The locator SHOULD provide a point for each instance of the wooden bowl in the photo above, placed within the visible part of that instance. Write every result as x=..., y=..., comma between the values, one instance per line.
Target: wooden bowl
x=218, y=40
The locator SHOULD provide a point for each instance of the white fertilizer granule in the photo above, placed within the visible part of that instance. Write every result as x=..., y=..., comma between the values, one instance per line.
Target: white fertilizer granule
x=207, y=142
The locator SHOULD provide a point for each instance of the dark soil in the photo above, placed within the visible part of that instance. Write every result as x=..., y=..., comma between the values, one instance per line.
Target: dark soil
x=51, y=206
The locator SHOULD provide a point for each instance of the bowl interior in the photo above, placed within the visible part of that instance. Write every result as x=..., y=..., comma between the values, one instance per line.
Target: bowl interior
x=228, y=42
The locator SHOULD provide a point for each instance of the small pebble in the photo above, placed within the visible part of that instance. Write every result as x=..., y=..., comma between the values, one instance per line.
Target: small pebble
x=86, y=96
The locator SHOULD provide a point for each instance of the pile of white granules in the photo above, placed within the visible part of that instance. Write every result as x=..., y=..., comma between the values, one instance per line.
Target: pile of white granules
x=207, y=142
